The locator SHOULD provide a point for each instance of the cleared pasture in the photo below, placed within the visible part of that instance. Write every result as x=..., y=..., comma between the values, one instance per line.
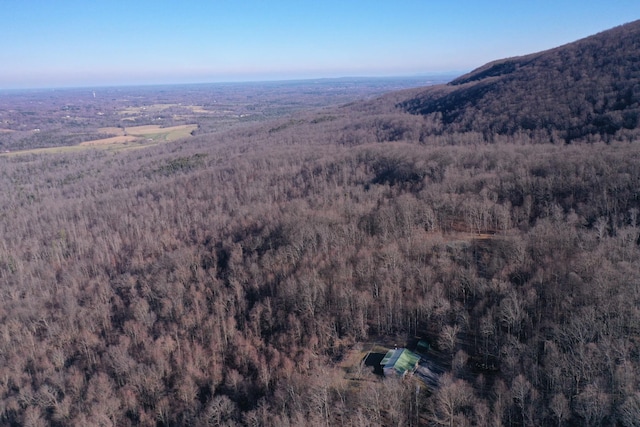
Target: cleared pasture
x=168, y=133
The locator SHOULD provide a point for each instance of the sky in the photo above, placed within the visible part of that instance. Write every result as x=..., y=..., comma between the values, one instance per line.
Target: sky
x=62, y=43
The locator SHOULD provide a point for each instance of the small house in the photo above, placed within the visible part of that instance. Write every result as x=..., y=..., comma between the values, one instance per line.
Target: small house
x=399, y=362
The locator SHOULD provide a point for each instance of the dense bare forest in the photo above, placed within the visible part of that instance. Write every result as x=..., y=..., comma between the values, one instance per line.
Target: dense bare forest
x=226, y=279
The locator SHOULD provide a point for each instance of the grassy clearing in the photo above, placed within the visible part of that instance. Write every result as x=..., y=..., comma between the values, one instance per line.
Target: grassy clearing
x=165, y=134
x=150, y=133
x=147, y=130
x=108, y=141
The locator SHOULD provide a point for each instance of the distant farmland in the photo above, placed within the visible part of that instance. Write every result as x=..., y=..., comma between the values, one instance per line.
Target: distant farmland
x=123, y=139
x=150, y=132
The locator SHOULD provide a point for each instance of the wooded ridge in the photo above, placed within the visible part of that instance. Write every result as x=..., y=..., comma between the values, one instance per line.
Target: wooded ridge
x=586, y=90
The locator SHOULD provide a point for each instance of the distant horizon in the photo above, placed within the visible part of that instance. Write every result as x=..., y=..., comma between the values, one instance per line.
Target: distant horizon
x=69, y=43
x=451, y=75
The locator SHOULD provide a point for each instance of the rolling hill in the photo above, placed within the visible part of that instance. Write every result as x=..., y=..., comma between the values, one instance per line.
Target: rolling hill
x=585, y=90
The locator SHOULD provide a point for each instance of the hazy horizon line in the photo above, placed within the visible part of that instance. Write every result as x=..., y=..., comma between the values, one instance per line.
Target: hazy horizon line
x=35, y=87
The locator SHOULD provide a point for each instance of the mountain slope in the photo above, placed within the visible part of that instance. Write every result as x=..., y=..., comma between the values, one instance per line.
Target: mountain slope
x=583, y=90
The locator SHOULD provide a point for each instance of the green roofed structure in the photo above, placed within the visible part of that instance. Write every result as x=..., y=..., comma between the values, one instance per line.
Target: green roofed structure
x=422, y=347
x=399, y=362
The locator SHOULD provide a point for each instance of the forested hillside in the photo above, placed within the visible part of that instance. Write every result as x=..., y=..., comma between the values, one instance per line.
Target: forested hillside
x=586, y=90
x=219, y=282
x=227, y=279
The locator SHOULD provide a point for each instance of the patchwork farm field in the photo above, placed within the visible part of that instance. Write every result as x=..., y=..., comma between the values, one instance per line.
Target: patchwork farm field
x=125, y=139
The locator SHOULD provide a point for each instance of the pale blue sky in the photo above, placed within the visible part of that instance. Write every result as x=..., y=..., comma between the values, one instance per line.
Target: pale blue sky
x=108, y=42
